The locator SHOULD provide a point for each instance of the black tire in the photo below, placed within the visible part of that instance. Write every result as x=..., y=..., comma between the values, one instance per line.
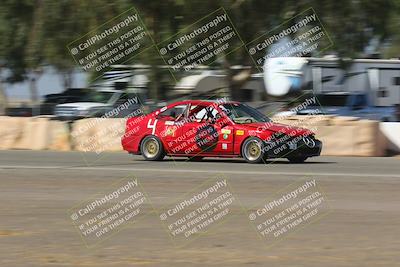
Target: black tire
x=196, y=158
x=152, y=148
x=253, y=150
x=298, y=159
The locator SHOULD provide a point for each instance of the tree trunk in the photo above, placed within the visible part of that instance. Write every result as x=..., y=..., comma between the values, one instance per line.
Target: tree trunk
x=33, y=54
x=154, y=68
x=67, y=78
x=3, y=99
x=236, y=81
x=34, y=94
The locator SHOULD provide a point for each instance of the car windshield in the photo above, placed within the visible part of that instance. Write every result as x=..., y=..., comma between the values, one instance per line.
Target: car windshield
x=96, y=96
x=241, y=113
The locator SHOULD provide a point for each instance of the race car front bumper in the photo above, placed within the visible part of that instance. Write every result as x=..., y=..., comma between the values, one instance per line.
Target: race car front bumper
x=304, y=147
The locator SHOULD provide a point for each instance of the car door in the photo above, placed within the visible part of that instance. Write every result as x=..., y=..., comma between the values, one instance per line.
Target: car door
x=205, y=132
x=168, y=123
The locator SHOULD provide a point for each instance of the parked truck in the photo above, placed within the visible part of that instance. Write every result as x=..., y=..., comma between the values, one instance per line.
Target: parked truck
x=97, y=103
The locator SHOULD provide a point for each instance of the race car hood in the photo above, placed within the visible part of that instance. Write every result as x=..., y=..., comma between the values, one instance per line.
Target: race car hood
x=268, y=127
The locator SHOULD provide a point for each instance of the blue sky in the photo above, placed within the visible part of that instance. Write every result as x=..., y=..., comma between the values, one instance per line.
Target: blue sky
x=49, y=83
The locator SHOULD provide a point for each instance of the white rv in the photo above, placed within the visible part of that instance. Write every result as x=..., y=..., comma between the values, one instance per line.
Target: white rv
x=378, y=78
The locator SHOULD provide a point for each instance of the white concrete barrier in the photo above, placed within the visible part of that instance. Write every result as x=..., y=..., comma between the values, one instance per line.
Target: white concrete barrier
x=34, y=134
x=341, y=136
x=98, y=135
x=391, y=131
x=11, y=130
x=59, y=136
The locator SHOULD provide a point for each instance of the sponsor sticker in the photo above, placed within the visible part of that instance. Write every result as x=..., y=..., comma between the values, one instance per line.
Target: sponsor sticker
x=170, y=131
x=239, y=132
x=226, y=131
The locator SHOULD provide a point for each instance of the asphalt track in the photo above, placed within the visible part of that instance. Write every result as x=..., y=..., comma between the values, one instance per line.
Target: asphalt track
x=360, y=226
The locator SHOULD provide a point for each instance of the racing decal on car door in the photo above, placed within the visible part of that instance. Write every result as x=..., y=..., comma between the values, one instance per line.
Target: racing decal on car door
x=170, y=131
x=207, y=138
x=152, y=126
x=239, y=132
x=226, y=133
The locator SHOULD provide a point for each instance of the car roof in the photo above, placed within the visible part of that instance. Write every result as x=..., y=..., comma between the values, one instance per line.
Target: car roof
x=197, y=101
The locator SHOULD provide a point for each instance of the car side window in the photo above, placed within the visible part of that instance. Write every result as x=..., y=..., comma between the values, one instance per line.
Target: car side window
x=175, y=113
x=203, y=114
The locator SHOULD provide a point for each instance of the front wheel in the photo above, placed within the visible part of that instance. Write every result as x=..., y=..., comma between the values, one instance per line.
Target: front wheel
x=253, y=150
x=152, y=148
x=297, y=159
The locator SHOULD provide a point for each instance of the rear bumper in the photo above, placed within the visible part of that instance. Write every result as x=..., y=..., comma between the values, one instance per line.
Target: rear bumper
x=130, y=144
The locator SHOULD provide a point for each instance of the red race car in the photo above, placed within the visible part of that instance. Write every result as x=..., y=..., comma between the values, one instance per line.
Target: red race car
x=199, y=128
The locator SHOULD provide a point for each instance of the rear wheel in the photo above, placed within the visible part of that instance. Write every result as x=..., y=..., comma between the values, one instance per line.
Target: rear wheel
x=253, y=150
x=152, y=148
x=299, y=159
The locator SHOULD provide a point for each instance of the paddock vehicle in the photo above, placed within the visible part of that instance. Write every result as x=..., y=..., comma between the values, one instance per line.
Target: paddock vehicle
x=198, y=129
x=346, y=104
x=97, y=103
